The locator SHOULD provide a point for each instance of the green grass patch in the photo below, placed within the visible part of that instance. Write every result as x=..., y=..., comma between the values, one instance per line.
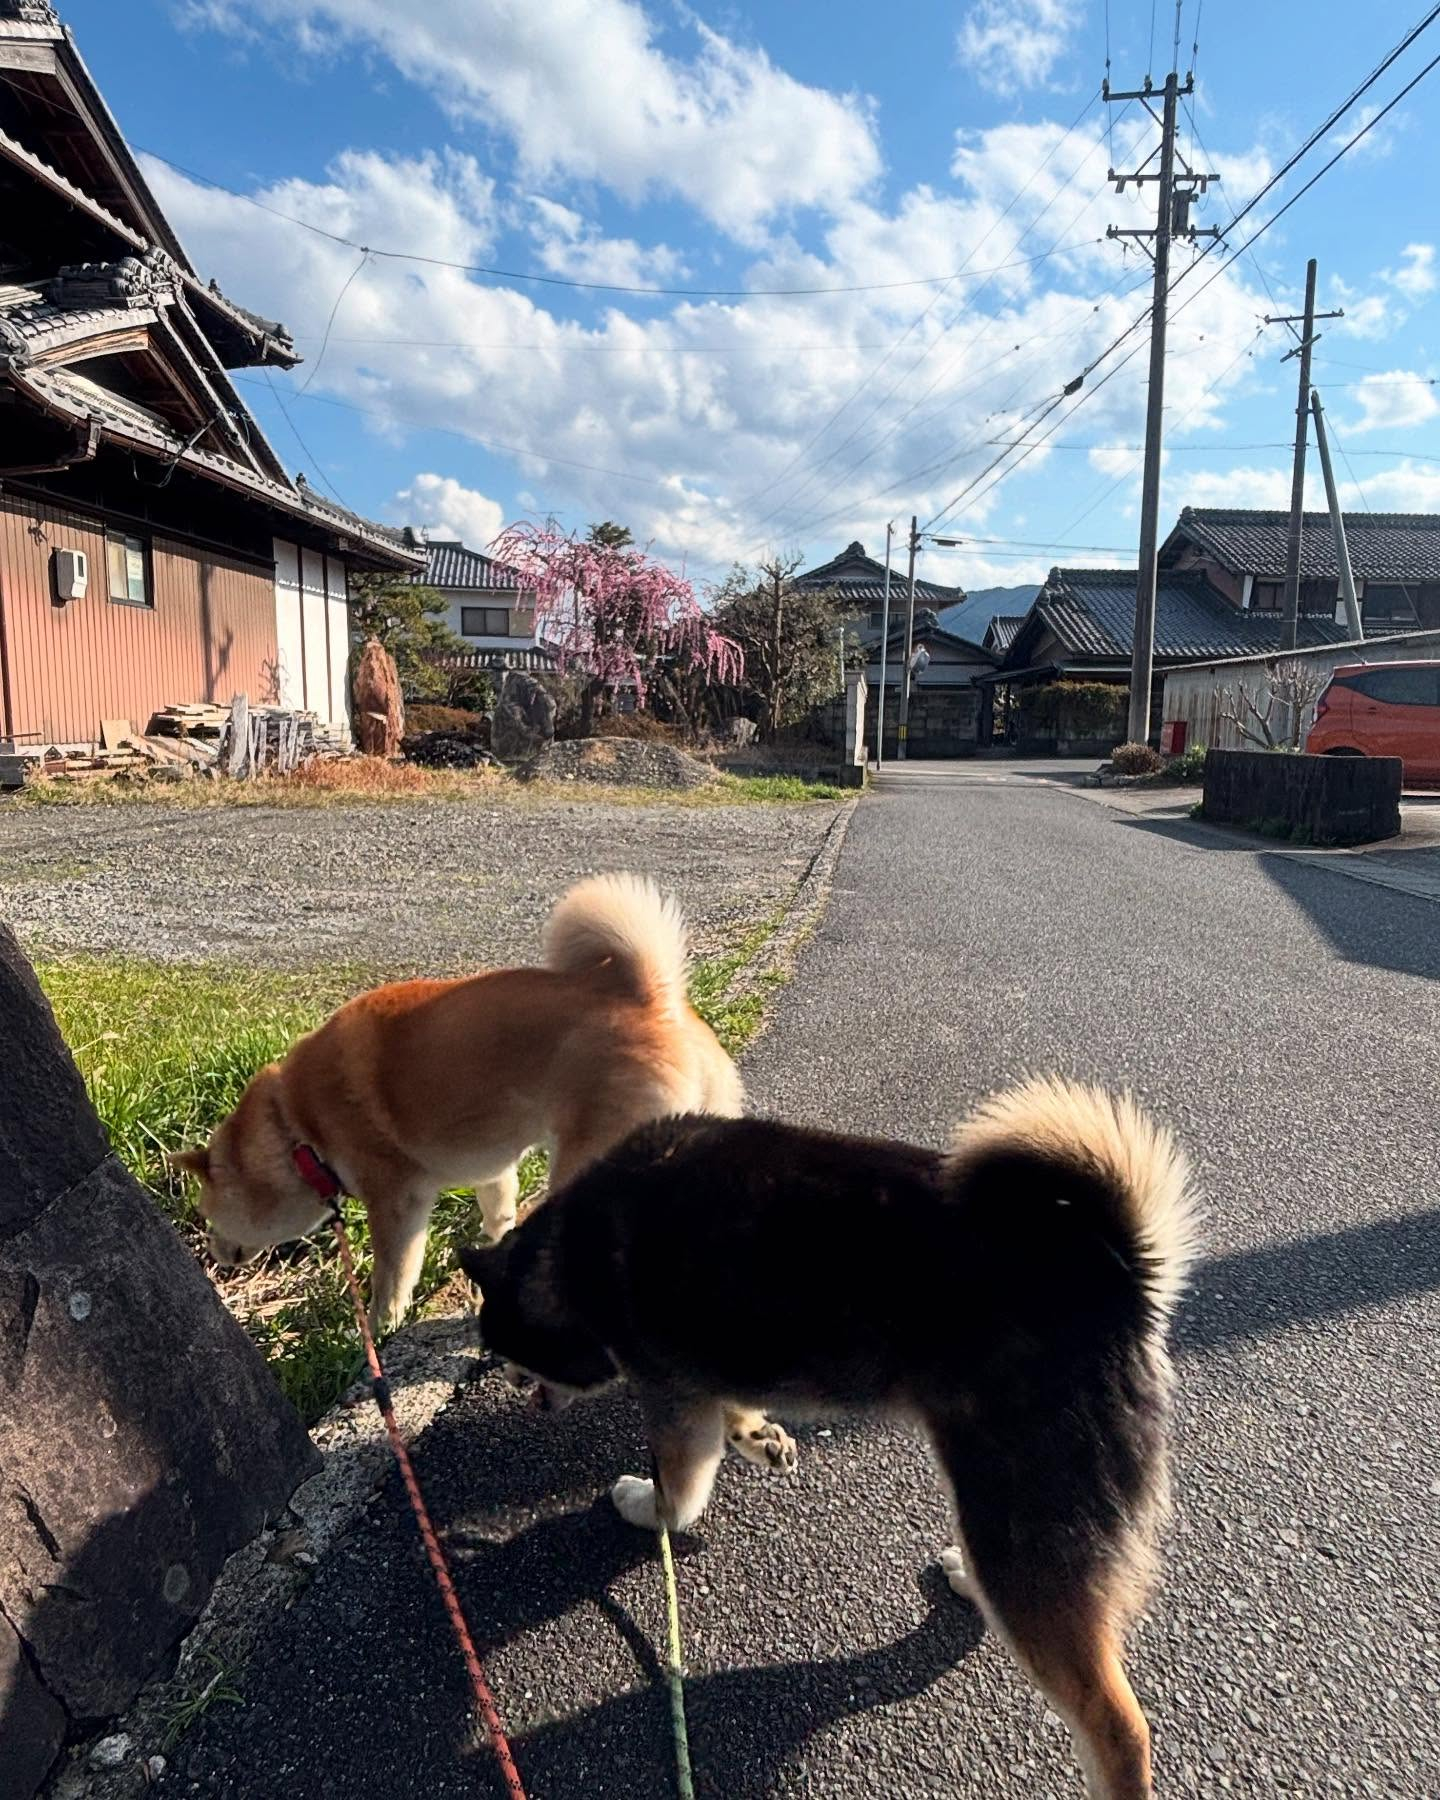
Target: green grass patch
x=781, y=787
x=166, y=1051
x=216, y=1689
x=736, y=1014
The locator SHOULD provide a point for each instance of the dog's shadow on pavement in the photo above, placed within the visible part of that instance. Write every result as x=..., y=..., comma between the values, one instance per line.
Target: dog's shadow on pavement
x=746, y=1726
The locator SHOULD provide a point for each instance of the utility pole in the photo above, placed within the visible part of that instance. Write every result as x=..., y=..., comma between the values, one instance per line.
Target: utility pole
x=778, y=580
x=1290, y=617
x=1172, y=220
x=909, y=643
x=1353, y=622
x=884, y=646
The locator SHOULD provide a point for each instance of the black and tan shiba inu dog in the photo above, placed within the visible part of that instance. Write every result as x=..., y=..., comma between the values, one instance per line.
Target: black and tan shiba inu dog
x=1011, y=1296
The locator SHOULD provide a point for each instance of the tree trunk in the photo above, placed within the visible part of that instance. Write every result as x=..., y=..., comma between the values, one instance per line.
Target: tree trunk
x=775, y=684
x=142, y=1438
x=588, y=698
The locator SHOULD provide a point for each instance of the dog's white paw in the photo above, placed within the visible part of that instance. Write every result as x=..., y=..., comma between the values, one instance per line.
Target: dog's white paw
x=760, y=1440
x=634, y=1499
x=952, y=1561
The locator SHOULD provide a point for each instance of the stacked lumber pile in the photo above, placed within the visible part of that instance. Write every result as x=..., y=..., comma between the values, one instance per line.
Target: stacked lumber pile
x=183, y=741
x=200, y=719
x=83, y=765
x=264, y=740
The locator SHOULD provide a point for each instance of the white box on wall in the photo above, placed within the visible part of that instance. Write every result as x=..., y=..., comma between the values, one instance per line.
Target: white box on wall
x=72, y=574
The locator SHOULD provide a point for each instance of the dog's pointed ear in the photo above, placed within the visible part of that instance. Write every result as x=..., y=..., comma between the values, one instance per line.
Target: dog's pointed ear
x=190, y=1162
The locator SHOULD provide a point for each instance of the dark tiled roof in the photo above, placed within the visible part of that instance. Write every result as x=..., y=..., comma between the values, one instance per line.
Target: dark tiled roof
x=859, y=579
x=1003, y=629
x=1092, y=612
x=67, y=394
x=450, y=565
x=27, y=316
x=1383, y=546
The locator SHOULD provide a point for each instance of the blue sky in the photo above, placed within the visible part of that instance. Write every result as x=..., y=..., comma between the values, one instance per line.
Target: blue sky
x=752, y=146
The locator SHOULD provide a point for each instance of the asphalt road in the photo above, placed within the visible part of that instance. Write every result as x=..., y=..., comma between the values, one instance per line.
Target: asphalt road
x=1286, y=1018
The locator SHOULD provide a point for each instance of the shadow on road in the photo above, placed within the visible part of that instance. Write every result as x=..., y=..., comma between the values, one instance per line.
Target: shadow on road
x=1402, y=932
x=1256, y=1293
x=747, y=1725
x=1397, y=933
x=1193, y=834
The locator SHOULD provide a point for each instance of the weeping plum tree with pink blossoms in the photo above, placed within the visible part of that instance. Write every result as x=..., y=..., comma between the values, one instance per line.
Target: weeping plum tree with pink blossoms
x=616, y=614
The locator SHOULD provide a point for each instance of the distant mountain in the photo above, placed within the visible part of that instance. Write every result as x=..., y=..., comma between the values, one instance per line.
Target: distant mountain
x=971, y=618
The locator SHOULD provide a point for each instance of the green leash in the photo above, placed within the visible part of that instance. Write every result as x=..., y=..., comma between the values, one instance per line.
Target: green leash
x=675, y=1673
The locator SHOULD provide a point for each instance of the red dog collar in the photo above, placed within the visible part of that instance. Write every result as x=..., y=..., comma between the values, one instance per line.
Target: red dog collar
x=316, y=1174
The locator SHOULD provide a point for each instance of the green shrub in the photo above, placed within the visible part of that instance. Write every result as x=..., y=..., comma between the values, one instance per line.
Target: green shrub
x=1134, y=759
x=1188, y=766
x=1070, y=709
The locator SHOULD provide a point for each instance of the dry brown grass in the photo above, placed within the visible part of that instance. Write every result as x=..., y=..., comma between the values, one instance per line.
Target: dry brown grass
x=321, y=781
x=371, y=780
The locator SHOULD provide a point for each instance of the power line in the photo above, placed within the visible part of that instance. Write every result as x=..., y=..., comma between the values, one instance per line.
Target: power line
x=1300, y=192
x=598, y=287
x=305, y=449
x=1365, y=502
x=568, y=349
x=325, y=341
x=1246, y=349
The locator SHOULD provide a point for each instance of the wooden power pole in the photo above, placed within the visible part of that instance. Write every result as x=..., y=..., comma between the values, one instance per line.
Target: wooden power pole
x=1172, y=220
x=1290, y=617
x=906, y=673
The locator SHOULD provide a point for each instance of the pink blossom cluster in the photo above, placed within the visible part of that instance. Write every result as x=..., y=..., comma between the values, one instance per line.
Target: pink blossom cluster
x=614, y=612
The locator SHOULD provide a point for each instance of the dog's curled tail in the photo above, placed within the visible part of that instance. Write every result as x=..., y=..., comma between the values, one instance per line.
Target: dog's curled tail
x=1067, y=1144
x=626, y=922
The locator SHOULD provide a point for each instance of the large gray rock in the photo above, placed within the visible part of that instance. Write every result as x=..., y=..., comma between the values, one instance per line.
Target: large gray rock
x=523, y=722
x=141, y=1437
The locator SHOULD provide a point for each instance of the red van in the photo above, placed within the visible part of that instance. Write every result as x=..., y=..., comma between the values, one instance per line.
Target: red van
x=1382, y=709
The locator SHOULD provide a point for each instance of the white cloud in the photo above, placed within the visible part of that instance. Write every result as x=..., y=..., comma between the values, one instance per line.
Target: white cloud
x=571, y=246
x=1416, y=277
x=1012, y=44
x=1377, y=143
x=445, y=508
x=1398, y=399
x=1241, y=486
x=1405, y=487
x=584, y=91
x=1366, y=316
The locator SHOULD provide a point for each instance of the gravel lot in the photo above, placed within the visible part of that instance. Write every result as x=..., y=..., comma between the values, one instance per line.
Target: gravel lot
x=429, y=887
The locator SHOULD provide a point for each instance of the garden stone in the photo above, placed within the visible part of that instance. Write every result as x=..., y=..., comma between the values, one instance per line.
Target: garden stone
x=523, y=722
